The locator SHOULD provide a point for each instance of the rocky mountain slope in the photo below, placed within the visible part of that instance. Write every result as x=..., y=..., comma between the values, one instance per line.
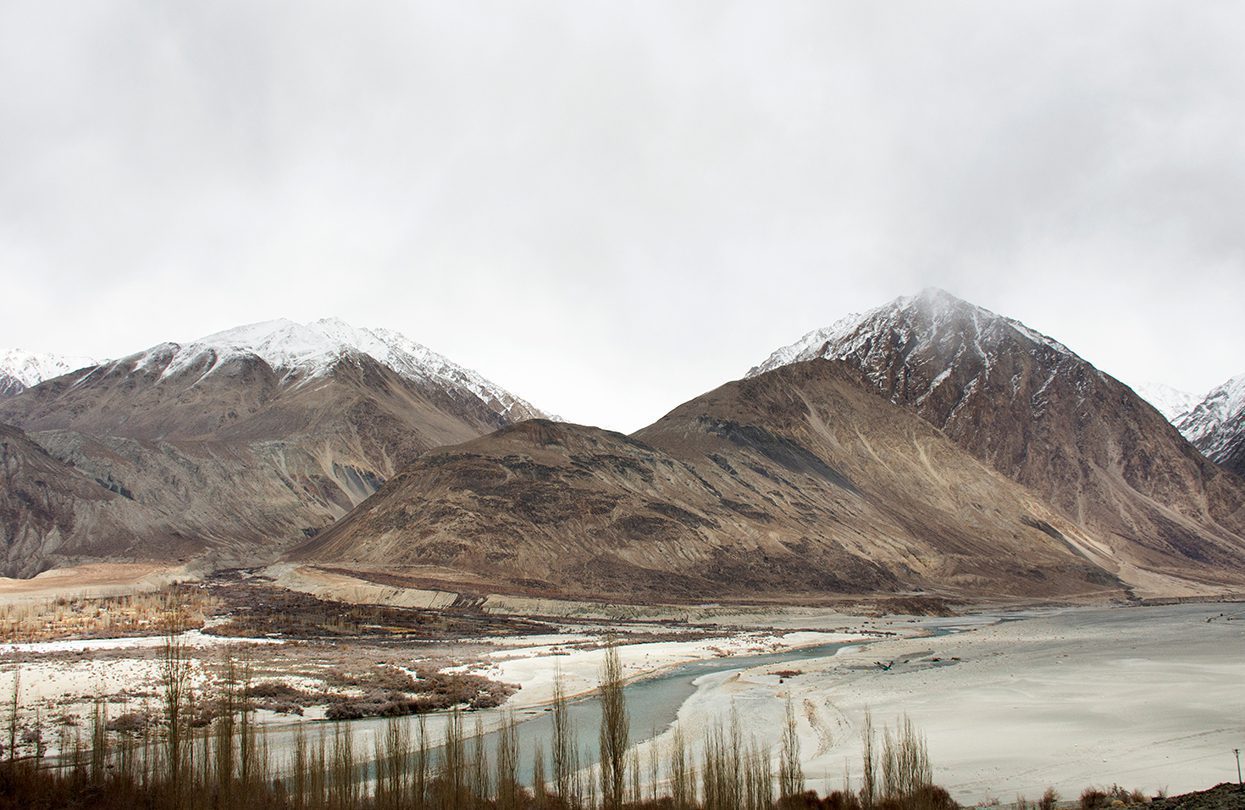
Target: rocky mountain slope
x=1044, y=417
x=1216, y=425
x=44, y=501
x=798, y=483
x=248, y=440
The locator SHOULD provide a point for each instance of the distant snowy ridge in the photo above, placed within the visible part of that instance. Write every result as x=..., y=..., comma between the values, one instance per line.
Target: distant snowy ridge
x=24, y=368
x=1216, y=423
x=311, y=350
x=1171, y=402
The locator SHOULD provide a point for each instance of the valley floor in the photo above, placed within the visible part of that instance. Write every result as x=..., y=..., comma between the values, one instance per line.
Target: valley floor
x=1011, y=703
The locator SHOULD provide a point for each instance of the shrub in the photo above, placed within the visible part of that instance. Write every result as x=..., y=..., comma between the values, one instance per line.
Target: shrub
x=129, y=723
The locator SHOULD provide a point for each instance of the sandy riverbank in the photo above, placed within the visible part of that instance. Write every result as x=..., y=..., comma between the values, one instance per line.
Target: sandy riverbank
x=536, y=669
x=1145, y=697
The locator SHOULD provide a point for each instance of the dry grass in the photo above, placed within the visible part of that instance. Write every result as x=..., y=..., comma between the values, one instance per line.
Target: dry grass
x=144, y=614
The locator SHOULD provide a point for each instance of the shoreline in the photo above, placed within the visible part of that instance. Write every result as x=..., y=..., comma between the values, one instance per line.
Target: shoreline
x=1011, y=701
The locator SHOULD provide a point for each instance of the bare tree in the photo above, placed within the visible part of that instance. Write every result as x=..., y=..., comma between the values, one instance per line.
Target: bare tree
x=614, y=730
x=790, y=774
x=868, y=777
x=564, y=744
x=174, y=683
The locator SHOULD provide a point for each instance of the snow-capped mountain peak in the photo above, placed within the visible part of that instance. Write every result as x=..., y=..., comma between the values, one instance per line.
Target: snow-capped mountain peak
x=21, y=369
x=1171, y=402
x=933, y=316
x=1216, y=425
x=304, y=352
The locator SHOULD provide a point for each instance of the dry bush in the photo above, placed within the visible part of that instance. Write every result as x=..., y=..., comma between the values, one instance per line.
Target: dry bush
x=130, y=723
x=1095, y=798
x=392, y=692
x=143, y=614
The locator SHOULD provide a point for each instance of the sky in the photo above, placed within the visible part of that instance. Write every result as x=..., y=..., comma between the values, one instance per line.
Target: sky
x=610, y=208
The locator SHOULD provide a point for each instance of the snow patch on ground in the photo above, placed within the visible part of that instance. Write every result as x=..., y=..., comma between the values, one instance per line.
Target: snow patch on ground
x=191, y=638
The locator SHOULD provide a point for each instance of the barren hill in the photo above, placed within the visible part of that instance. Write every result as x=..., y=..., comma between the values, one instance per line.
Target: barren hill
x=799, y=483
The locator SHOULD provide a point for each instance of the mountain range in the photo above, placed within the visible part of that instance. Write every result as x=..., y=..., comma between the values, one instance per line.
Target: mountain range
x=235, y=446
x=928, y=446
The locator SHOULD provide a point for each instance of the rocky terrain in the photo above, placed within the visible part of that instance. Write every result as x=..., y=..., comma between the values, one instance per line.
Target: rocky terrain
x=47, y=506
x=238, y=444
x=1044, y=417
x=9, y=385
x=1224, y=796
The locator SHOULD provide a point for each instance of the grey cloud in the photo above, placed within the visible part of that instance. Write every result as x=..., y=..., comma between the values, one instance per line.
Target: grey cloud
x=612, y=208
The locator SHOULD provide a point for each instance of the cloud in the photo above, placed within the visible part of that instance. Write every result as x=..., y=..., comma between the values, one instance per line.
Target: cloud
x=613, y=208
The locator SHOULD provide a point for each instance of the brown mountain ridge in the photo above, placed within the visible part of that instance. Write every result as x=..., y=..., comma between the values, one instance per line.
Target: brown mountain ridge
x=1046, y=418
x=798, y=483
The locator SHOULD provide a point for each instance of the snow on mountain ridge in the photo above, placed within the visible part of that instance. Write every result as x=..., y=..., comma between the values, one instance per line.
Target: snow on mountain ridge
x=850, y=334
x=1215, y=422
x=1171, y=402
x=31, y=368
x=311, y=350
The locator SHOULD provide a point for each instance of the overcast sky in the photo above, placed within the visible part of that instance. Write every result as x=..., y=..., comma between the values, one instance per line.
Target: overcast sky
x=612, y=207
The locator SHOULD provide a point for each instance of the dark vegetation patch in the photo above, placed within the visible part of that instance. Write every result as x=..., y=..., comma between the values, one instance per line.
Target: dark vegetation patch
x=805, y=568
x=131, y=722
x=692, y=471
x=1097, y=576
x=275, y=696
x=913, y=606
x=392, y=692
x=257, y=609
x=1094, y=798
